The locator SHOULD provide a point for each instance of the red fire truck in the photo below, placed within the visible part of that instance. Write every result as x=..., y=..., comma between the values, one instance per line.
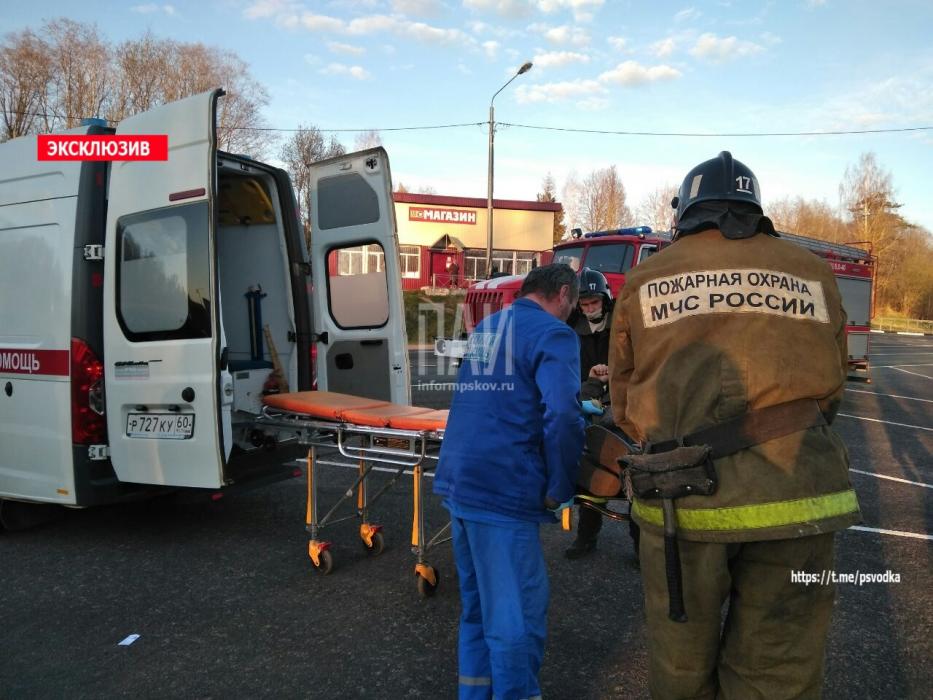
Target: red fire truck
x=615, y=252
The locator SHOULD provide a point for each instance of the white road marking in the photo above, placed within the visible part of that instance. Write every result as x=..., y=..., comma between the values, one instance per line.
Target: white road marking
x=892, y=396
x=885, y=354
x=892, y=478
x=916, y=374
x=886, y=422
x=897, y=533
x=927, y=364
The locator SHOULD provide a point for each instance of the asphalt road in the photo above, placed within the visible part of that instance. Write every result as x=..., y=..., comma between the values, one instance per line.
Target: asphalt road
x=227, y=605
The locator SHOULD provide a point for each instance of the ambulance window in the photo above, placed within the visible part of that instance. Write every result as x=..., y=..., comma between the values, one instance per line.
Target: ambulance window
x=613, y=257
x=357, y=286
x=163, y=274
x=345, y=200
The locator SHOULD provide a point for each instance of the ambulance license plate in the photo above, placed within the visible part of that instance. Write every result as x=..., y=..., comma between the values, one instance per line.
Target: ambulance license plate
x=168, y=426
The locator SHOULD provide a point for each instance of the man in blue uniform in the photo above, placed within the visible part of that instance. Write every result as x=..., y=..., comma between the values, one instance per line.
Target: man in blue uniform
x=509, y=462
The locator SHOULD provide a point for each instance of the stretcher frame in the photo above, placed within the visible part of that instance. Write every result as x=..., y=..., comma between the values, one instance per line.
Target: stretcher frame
x=375, y=449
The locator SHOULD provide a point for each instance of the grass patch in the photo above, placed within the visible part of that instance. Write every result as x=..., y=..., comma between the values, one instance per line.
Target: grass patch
x=429, y=317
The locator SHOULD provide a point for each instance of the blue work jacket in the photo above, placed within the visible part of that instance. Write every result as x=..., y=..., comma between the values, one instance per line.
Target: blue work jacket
x=515, y=430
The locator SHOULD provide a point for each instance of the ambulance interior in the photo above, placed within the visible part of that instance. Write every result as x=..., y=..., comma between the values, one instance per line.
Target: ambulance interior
x=256, y=303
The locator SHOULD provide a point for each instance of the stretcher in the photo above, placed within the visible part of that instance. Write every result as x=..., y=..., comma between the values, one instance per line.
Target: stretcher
x=370, y=432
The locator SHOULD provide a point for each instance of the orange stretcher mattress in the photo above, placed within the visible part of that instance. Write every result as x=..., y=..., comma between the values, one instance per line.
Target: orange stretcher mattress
x=330, y=405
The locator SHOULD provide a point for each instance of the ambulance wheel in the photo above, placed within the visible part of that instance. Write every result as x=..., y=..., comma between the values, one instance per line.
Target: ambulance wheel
x=325, y=563
x=425, y=587
x=378, y=545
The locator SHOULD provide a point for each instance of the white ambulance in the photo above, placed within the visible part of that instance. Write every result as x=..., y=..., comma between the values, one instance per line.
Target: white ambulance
x=145, y=305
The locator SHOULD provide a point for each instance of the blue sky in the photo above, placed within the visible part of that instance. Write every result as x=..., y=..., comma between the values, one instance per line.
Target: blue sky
x=701, y=67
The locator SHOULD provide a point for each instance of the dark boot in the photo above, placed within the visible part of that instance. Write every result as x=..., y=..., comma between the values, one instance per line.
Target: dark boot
x=635, y=532
x=588, y=529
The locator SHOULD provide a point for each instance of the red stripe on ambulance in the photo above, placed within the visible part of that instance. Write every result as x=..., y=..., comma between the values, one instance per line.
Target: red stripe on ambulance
x=50, y=362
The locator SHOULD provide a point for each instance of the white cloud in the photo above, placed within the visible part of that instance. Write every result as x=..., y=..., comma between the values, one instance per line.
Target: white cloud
x=687, y=14
x=339, y=47
x=512, y=9
x=421, y=8
x=464, y=69
x=286, y=15
x=321, y=23
x=151, y=7
x=565, y=35
x=490, y=47
x=771, y=39
x=633, y=73
x=717, y=48
x=357, y=72
x=663, y=47
x=558, y=59
x=617, y=42
x=582, y=9
x=557, y=92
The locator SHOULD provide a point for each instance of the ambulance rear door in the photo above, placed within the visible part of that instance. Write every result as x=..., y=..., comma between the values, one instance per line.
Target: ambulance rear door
x=162, y=339
x=358, y=312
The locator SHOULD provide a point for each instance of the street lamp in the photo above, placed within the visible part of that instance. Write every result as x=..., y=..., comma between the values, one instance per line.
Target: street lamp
x=492, y=130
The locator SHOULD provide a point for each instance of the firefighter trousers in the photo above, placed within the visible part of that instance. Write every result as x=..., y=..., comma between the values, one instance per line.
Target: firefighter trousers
x=773, y=640
x=504, y=595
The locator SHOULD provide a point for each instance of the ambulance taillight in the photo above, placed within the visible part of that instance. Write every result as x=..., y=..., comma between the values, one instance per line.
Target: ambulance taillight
x=88, y=426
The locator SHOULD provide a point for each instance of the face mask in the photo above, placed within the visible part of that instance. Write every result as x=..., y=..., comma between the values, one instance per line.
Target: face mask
x=595, y=316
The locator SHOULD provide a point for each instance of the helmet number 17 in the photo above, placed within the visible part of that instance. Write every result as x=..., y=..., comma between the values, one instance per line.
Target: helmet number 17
x=744, y=184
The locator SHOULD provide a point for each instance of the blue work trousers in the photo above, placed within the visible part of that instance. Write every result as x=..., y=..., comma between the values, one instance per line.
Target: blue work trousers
x=504, y=593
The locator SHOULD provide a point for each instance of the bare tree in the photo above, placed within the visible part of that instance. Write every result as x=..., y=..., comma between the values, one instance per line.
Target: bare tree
x=81, y=73
x=604, y=201
x=143, y=67
x=305, y=146
x=548, y=193
x=25, y=73
x=867, y=194
x=367, y=139
x=572, y=198
x=655, y=208
x=808, y=218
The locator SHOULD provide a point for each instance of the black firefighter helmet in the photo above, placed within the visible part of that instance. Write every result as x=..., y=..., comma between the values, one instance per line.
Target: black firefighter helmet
x=721, y=193
x=593, y=283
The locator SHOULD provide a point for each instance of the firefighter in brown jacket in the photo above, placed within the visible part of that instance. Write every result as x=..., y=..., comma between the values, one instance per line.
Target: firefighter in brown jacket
x=734, y=339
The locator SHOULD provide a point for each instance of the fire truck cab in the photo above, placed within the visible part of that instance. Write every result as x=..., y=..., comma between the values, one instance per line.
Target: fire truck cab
x=612, y=252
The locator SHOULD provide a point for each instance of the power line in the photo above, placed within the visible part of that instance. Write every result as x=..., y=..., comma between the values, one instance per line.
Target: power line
x=720, y=135
x=608, y=132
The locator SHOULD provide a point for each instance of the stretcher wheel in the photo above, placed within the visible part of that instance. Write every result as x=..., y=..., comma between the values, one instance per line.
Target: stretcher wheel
x=379, y=544
x=425, y=588
x=326, y=564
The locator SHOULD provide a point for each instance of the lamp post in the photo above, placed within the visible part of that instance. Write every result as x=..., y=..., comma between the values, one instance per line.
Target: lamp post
x=492, y=130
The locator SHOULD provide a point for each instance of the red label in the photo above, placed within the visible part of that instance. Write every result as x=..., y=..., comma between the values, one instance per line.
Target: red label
x=442, y=216
x=53, y=362
x=106, y=147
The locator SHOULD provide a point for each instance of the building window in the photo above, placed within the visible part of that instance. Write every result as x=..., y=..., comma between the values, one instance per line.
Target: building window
x=360, y=260
x=410, y=256
x=511, y=262
x=474, y=264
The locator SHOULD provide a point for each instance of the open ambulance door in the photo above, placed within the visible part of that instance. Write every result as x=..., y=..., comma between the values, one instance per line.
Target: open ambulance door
x=358, y=312
x=162, y=336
